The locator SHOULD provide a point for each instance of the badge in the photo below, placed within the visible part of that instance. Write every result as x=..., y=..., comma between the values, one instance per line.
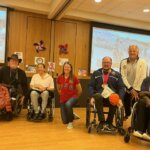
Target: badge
x=104, y=85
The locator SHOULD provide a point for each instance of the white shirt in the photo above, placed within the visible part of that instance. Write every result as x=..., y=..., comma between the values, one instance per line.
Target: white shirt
x=45, y=81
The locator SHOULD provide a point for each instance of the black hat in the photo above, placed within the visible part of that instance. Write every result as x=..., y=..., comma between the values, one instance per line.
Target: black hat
x=15, y=57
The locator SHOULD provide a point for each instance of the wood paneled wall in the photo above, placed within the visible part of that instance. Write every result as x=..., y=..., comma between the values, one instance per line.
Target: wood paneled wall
x=27, y=28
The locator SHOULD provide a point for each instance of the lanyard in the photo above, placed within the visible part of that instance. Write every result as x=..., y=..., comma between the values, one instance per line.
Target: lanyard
x=105, y=78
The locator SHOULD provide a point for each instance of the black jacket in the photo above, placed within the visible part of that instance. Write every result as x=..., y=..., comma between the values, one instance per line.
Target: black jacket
x=114, y=82
x=15, y=77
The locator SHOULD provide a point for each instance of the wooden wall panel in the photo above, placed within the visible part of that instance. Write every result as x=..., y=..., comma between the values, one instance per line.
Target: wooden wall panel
x=64, y=33
x=37, y=29
x=82, y=60
x=27, y=28
x=17, y=34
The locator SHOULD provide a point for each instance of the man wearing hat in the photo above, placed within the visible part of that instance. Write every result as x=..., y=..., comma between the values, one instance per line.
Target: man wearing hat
x=13, y=76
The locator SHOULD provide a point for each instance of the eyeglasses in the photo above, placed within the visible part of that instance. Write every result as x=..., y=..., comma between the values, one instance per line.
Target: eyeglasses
x=106, y=62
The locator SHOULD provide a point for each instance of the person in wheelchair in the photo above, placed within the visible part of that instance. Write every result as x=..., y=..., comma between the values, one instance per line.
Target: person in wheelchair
x=142, y=127
x=41, y=83
x=14, y=78
x=101, y=80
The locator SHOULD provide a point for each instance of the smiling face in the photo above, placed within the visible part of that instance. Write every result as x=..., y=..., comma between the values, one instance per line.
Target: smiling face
x=13, y=63
x=133, y=52
x=67, y=69
x=41, y=68
x=106, y=63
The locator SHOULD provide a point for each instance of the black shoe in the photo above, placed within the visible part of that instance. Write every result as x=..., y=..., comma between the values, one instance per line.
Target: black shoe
x=35, y=117
x=110, y=127
x=41, y=116
x=100, y=126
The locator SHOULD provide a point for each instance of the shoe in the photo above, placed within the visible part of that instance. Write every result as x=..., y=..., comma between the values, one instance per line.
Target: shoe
x=75, y=116
x=110, y=127
x=70, y=125
x=35, y=117
x=146, y=136
x=100, y=126
x=138, y=134
x=41, y=116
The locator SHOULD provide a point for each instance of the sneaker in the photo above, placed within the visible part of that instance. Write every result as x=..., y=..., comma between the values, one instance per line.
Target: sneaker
x=100, y=126
x=75, y=116
x=137, y=134
x=146, y=136
x=41, y=116
x=110, y=127
x=70, y=125
x=35, y=117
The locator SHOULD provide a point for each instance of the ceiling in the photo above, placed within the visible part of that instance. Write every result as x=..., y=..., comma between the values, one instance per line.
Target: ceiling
x=120, y=12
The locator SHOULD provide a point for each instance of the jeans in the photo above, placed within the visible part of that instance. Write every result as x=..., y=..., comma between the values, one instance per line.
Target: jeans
x=67, y=110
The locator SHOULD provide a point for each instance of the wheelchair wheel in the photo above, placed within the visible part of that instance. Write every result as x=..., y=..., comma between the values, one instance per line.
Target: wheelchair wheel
x=89, y=129
x=119, y=117
x=17, y=106
x=127, y=137
x=121, y=131
x=8, y=116
x=88, y=111
x=52, y=110
x=133, y=116
x=50, y=118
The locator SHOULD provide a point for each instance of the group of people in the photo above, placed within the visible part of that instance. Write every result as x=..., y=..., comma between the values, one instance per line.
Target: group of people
x=131, y=84
x=41, y=85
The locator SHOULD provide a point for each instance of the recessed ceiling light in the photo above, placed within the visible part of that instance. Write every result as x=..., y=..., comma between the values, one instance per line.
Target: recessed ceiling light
x=98, y=1
x=146, y=10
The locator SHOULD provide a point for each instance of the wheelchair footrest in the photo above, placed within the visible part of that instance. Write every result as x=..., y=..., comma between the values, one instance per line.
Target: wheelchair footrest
x=106, y=131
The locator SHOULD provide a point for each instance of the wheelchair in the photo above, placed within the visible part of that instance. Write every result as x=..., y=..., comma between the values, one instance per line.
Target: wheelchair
x=119, y=115
x=16, y=104
x=50, y=106
x=133, y=125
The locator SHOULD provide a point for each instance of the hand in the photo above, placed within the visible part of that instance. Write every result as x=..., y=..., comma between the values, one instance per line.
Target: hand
x=42, y=88
x=92, y=101
x=134, y=94
x=120, y=104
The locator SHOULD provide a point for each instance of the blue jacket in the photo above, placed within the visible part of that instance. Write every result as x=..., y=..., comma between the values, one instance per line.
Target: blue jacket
x=146, y=84
x=114, y=82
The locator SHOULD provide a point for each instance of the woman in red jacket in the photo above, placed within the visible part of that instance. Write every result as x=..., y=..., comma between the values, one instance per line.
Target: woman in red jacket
x=69, y=89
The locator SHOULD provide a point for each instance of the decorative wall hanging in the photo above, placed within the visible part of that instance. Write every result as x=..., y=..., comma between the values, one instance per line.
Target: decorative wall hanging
x=39, y=60
x=51, y=67
x=20, y=55
x=62, y=61
x=39, y=46
x=30, y=69
x=63, y=49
